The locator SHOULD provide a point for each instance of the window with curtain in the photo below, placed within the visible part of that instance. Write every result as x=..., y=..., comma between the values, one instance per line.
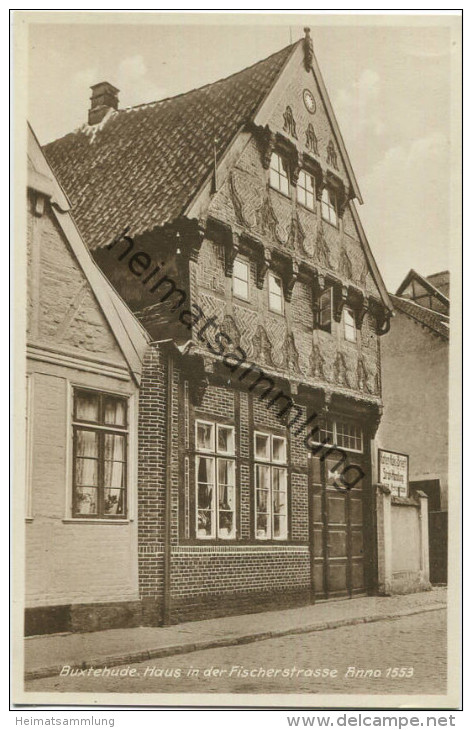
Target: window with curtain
x=271, y=504
x=215, y=481
x=100, y=431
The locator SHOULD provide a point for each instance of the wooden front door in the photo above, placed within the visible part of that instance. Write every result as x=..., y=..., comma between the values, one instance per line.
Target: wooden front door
x=341, y=527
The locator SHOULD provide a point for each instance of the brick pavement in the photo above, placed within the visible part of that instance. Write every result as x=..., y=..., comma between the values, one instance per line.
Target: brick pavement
x=45, y=655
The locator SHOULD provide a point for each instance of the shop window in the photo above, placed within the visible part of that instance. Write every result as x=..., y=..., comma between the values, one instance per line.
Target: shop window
x=306, y=190
x=271, y=498
x=350, y=333
x=276, y=297
x=325, y=310
x=215, y=481
x=278, y=174
x=100, y=455
x=241, y=279
x=329, y=207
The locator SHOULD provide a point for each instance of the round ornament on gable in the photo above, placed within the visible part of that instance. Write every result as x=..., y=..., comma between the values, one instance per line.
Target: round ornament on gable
x=309, y=101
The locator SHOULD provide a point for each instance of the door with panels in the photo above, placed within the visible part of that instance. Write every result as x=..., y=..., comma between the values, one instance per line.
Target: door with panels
x=341, y=513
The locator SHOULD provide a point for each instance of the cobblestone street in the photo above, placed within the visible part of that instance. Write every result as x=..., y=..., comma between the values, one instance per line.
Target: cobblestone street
x=408, y=656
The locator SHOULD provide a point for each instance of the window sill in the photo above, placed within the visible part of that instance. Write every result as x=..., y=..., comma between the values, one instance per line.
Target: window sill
x=307, y=207
x=287, y=196
x=241, y=299
x=273, y=311
x=94, y=521
x=333, y=225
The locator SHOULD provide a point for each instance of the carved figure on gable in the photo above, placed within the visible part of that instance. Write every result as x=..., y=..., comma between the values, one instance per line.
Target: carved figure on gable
x=311, y=139
x=262, y=347
x=296, y=235
x=291, y=356
x=332, y=156
x=268, y=221
x=230, y=328
x=345, y=265
x=289, y=123
x=340, y=370
x=246, y=197
x=322, y=253
x=363, y=376
x=317, y=363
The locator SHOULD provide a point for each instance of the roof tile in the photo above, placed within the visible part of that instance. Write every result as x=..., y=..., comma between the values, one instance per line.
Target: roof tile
x=435, y=321
x=143, y=166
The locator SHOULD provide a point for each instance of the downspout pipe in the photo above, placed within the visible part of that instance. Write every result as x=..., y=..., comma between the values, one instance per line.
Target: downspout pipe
x=168, y=494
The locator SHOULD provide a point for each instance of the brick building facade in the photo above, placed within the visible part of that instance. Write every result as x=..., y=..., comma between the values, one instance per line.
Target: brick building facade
x=231, y=231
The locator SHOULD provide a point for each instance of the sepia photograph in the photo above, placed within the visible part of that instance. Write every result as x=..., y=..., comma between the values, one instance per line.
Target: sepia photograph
x=237, y=372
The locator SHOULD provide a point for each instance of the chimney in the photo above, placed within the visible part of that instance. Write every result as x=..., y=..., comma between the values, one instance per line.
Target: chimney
x=104, y=97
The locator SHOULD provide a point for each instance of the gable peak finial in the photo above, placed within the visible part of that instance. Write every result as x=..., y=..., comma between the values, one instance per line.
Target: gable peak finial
x=308, y=48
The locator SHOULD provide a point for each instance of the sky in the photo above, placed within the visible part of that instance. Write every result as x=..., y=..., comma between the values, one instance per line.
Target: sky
x=390, y=86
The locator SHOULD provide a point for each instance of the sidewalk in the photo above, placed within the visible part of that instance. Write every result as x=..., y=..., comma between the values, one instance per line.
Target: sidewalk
x=46, y=655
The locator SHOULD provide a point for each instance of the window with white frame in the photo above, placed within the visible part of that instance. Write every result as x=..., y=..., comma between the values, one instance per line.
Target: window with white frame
x=215, y=471
x=306, y=189
x=278, y=173
x=276, y=295
x=350, y=333
x=241, y=279
x=270, y=477
x=328, y=206
x=325, y=309
x=336, y=432
x=100, y=434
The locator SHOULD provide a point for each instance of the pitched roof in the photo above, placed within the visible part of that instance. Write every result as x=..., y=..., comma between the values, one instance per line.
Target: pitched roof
x=436, y=322
x=129, y=333
x=154, y=157
x=440, y=281
x=426, y=282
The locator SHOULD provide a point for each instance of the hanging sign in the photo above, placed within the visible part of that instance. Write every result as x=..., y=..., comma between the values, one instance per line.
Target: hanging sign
x=393, y=472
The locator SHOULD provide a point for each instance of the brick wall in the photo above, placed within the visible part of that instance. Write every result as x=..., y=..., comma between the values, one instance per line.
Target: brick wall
x=223, y=576
x=240, y=203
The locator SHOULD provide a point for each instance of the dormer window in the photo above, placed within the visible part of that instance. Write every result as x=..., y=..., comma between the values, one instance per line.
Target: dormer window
x=278, y=173
x=325, y=310
x=241, y=279
x=276, y=297
x=329, y=206
x=306, y=189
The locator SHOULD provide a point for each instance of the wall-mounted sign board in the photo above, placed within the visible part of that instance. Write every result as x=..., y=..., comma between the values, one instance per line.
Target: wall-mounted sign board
x=393, y=472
